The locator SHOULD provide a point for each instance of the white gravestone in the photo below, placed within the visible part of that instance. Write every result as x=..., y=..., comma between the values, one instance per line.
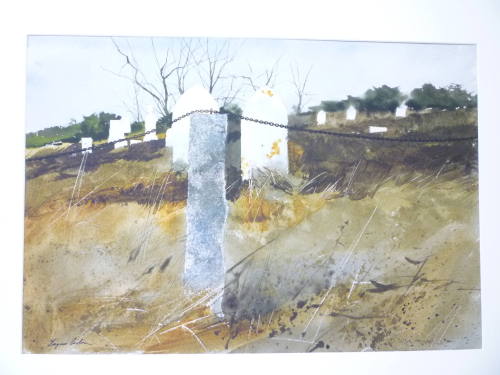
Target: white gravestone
x=321, y=118
x=377, y=129
x=351, y=113
x=86, y=143
x=126, y=125
x=401, y=110
x=117, y=130
x=150, y=125
x=206, y=210
x=177, y=136
x=264, y=146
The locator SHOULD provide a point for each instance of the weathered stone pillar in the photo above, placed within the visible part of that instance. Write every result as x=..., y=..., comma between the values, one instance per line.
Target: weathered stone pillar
x=206, y=204
x=264, y=147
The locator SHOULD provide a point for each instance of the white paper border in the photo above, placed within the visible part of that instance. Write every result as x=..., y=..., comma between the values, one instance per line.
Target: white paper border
x=407, y=21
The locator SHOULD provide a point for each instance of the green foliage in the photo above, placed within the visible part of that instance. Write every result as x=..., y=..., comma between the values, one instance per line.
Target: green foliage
x=37, y=141
x=332, y=105
x=97, y=126
x=71, y=133
x=385, y=98
x=381, y=99
x=355, y=101
x=163, y=123
x=450, y=98
x=90, y=125
x=233, y=110
x=138, y=127
x=377, y=99
x=338, y=105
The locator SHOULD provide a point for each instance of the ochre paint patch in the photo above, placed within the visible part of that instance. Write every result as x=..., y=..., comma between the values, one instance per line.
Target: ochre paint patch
x=275, y=149
x=254, y=211
x=171, y=217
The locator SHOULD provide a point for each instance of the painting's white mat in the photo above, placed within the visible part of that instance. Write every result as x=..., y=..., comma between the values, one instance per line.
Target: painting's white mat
x=422, y=21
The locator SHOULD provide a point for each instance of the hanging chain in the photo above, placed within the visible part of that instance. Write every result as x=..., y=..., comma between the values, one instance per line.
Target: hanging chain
x=274, y=124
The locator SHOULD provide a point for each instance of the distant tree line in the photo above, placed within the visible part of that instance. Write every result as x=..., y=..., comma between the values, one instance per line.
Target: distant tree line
x=94, y=125
x=376, y=99
x=449, y=98
x=387, y=99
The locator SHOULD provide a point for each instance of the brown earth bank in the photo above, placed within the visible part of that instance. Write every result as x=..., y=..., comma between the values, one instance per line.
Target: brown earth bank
x=308, y=269
x=431, y=123
x=364, y=246
x=354, y=167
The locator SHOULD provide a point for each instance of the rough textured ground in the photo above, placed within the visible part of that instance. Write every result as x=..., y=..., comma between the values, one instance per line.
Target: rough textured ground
x=309, y=267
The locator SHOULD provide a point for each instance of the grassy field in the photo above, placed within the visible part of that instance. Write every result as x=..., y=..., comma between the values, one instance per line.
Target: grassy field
x=310, y=267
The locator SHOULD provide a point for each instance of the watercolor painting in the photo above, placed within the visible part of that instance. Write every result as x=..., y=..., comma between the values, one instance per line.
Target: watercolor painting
x=204, y=195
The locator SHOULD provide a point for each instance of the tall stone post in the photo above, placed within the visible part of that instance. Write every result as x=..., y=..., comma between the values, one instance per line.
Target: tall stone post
x=206, y=205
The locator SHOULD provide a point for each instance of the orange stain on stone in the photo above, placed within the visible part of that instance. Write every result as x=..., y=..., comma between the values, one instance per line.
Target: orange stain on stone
x=268, y=92
x=275, y=149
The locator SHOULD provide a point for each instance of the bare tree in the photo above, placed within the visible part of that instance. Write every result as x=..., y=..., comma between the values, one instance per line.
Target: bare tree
x=213, y=62
x=135, y=111
x=168, y=68
x=299, y=83
x=266, y=78
x=231, y=91
x=185, y=62
x=175, y=67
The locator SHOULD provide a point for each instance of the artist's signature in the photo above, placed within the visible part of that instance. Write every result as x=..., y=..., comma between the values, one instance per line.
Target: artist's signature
x=75, y=341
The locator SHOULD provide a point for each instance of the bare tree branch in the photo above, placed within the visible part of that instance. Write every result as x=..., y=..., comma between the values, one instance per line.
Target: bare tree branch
x=185, y=64
x=213, y=63
x=174, y=68
x=172, y=72
x=231, y=91
x=138, y=112
x=266, y=78
x=250, y=78
x=136, y=73
x=300, y=84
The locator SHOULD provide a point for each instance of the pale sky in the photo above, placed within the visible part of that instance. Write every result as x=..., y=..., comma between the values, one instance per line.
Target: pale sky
x=69, y=77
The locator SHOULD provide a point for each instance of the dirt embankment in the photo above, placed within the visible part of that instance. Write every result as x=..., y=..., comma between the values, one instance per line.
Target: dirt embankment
x=144, y=151
x=354, y=167
x=360, y=166
x=456, y=121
